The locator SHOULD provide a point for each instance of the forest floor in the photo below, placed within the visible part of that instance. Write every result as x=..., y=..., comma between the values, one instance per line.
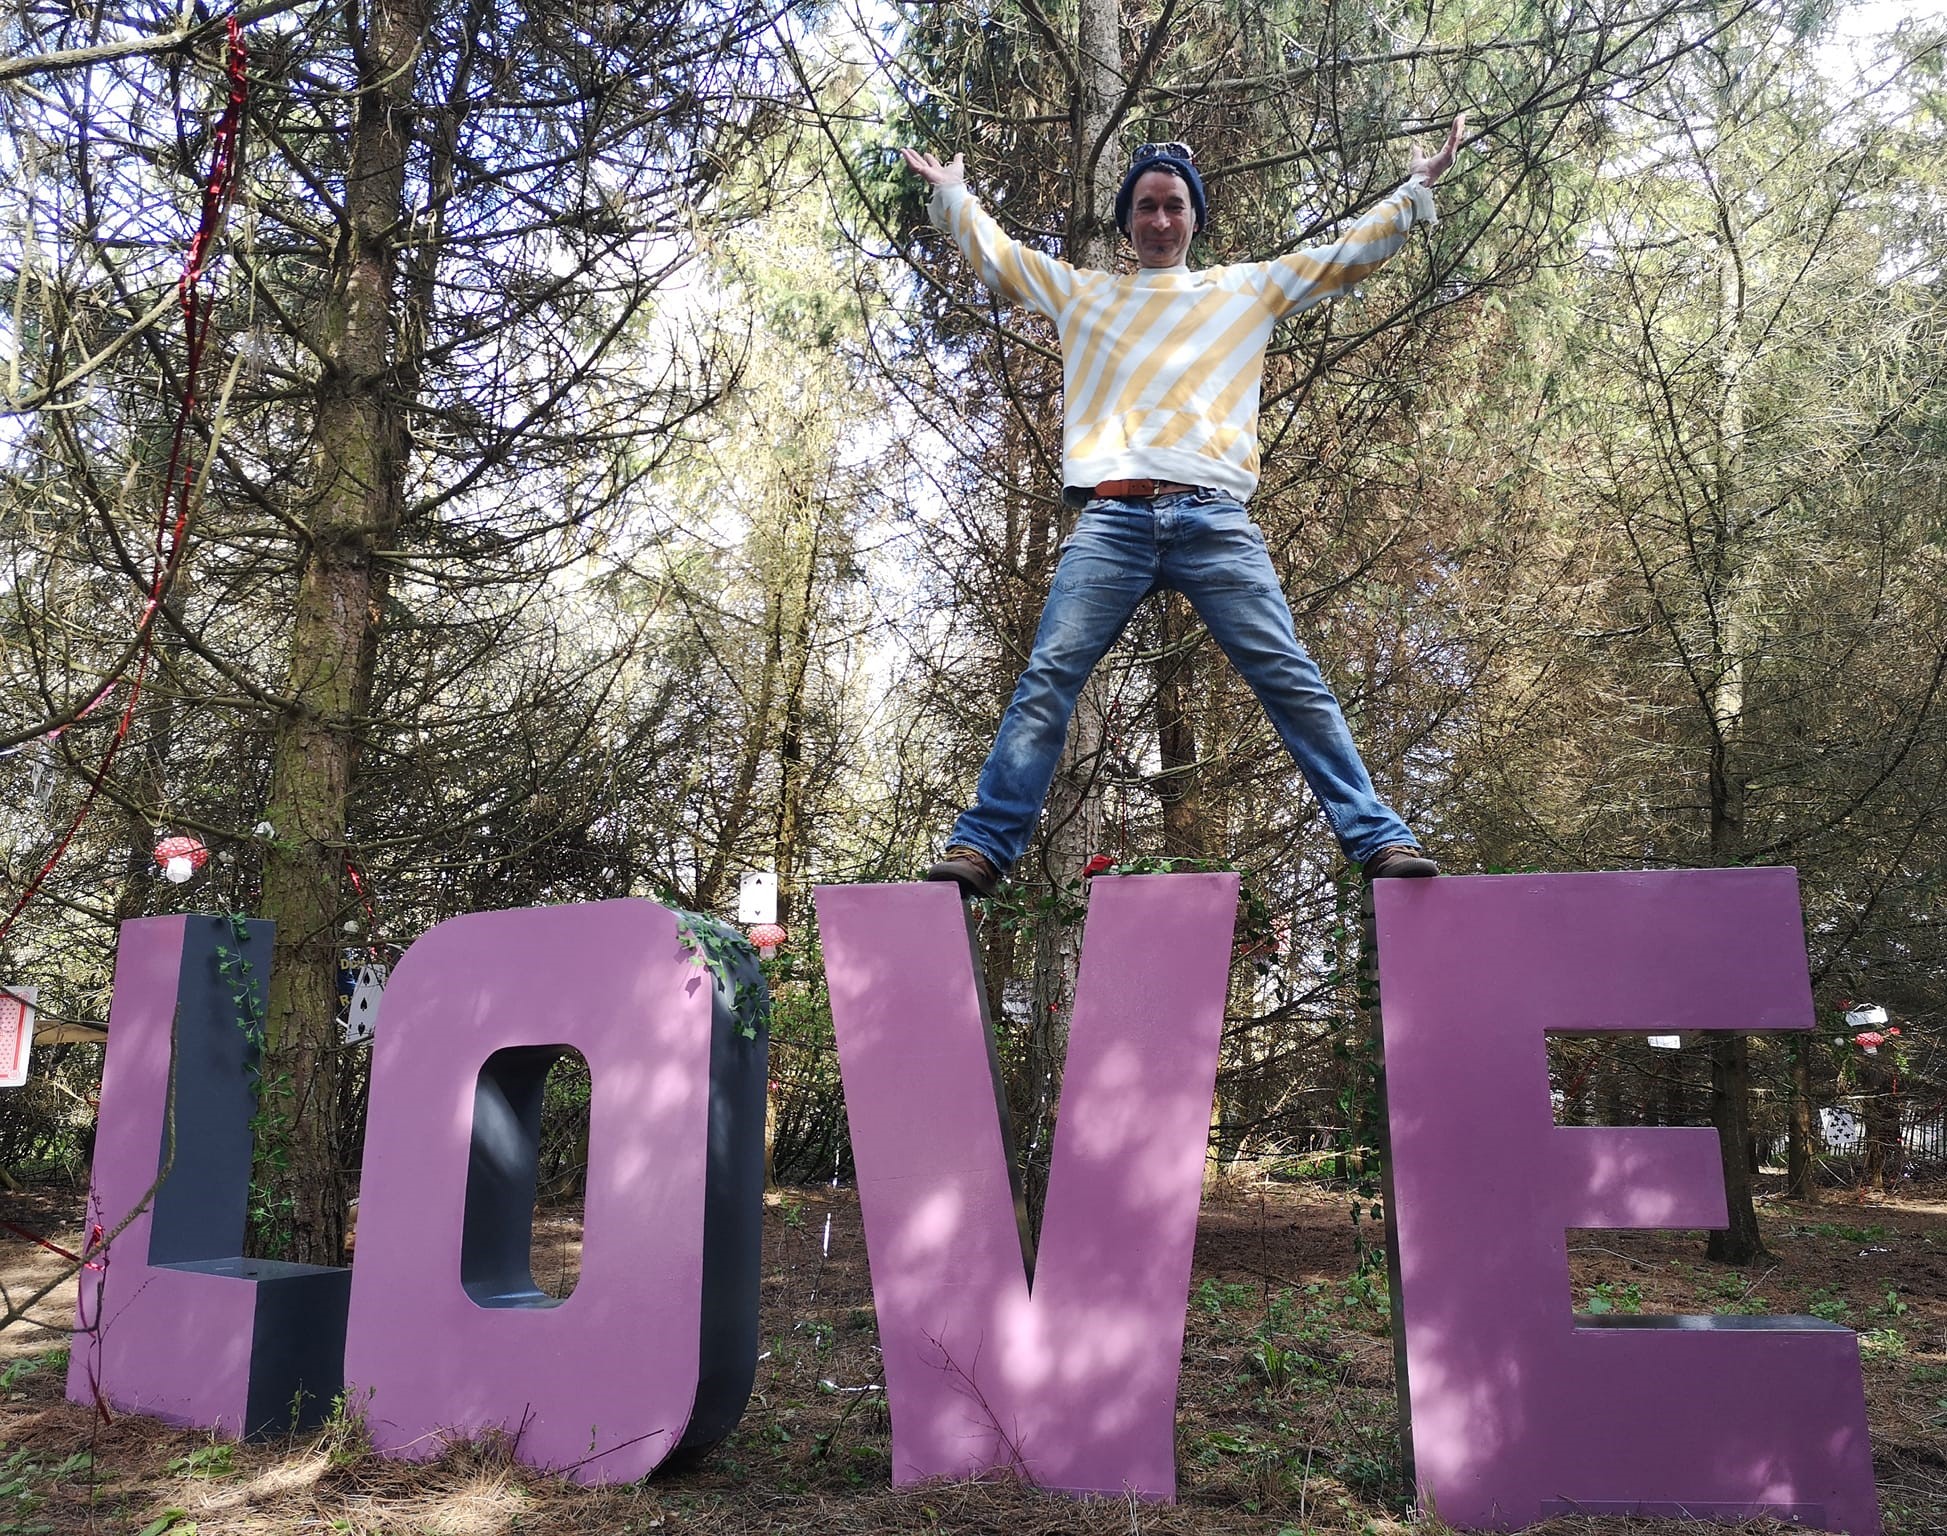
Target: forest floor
x=1285, y=1422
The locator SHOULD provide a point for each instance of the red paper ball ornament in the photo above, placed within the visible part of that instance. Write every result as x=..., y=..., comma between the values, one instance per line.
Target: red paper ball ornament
x=180, y=857
x=767, y=937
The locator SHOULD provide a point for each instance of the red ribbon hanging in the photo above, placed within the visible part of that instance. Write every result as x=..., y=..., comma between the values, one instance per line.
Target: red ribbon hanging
x=371, y=912
x=179, y=482
x=53, y=1247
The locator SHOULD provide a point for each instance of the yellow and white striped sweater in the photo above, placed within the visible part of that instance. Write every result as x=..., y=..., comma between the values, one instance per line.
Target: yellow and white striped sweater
x=1162, y=368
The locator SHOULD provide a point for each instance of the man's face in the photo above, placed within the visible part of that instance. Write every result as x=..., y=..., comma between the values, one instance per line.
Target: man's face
x=1161, y=219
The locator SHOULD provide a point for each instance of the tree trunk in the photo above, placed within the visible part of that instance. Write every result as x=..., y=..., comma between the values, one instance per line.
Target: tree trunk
x=1075, y=813
x=1609, y=1085
x=1075, y=801
x=1801, y=1154
x=354, y=509
x=790, y=799
x=757, y=726
x=1730, y=1054
x=1883, y=1150
x=1185, y=834
x=1730, y=1090
x=1024, y=558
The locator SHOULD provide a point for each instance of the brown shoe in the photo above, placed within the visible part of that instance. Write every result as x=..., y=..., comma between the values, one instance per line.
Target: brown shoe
x=968, y=868
x=1400, y=860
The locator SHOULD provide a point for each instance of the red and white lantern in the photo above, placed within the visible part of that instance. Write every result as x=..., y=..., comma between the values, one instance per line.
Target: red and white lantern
x=1866, y=1018
x=767, y=937
x=180, y=857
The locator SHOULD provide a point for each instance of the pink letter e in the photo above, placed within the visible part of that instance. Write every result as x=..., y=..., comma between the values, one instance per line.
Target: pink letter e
x=1515, y=1410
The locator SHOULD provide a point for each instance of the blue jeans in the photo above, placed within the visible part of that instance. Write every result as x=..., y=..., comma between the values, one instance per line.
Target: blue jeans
x=1204, y=545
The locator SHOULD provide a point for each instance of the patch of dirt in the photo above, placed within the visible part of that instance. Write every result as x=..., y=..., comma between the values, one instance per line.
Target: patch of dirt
x=1285, y=1422
x=37, y=1284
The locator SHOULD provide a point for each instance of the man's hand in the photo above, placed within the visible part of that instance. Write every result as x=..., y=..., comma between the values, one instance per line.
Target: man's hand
x=929, y=169
x=1429, y=168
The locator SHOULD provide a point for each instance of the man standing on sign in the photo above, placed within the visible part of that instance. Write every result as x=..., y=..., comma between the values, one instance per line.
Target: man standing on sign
x=1161, y=370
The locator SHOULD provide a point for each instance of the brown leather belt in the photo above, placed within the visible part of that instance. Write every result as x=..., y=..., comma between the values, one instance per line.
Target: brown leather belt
x=1123, y=490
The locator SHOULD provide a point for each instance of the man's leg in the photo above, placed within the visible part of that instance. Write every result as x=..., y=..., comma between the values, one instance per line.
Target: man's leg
x=1107, y=567
x=1214, y=554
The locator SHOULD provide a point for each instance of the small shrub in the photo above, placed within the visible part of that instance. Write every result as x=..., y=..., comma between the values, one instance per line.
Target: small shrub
x=27, y=1365
x=217, y=1459
x=1611, y=1297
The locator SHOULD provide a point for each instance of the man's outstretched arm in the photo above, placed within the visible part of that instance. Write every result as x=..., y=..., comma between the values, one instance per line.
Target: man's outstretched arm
x=1008, y=268
x=1321, y=272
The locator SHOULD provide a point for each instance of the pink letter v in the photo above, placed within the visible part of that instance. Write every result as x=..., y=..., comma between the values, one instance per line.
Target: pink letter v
x=1071, y=1385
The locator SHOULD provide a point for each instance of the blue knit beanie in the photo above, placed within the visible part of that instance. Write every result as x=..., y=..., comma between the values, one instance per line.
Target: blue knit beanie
x=1176, y=167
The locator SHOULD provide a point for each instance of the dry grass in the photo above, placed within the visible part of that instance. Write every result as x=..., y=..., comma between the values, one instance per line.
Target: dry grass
x=1285, y=1421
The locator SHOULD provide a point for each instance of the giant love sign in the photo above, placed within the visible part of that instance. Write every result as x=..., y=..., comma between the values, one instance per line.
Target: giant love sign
x=1054, y=1363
